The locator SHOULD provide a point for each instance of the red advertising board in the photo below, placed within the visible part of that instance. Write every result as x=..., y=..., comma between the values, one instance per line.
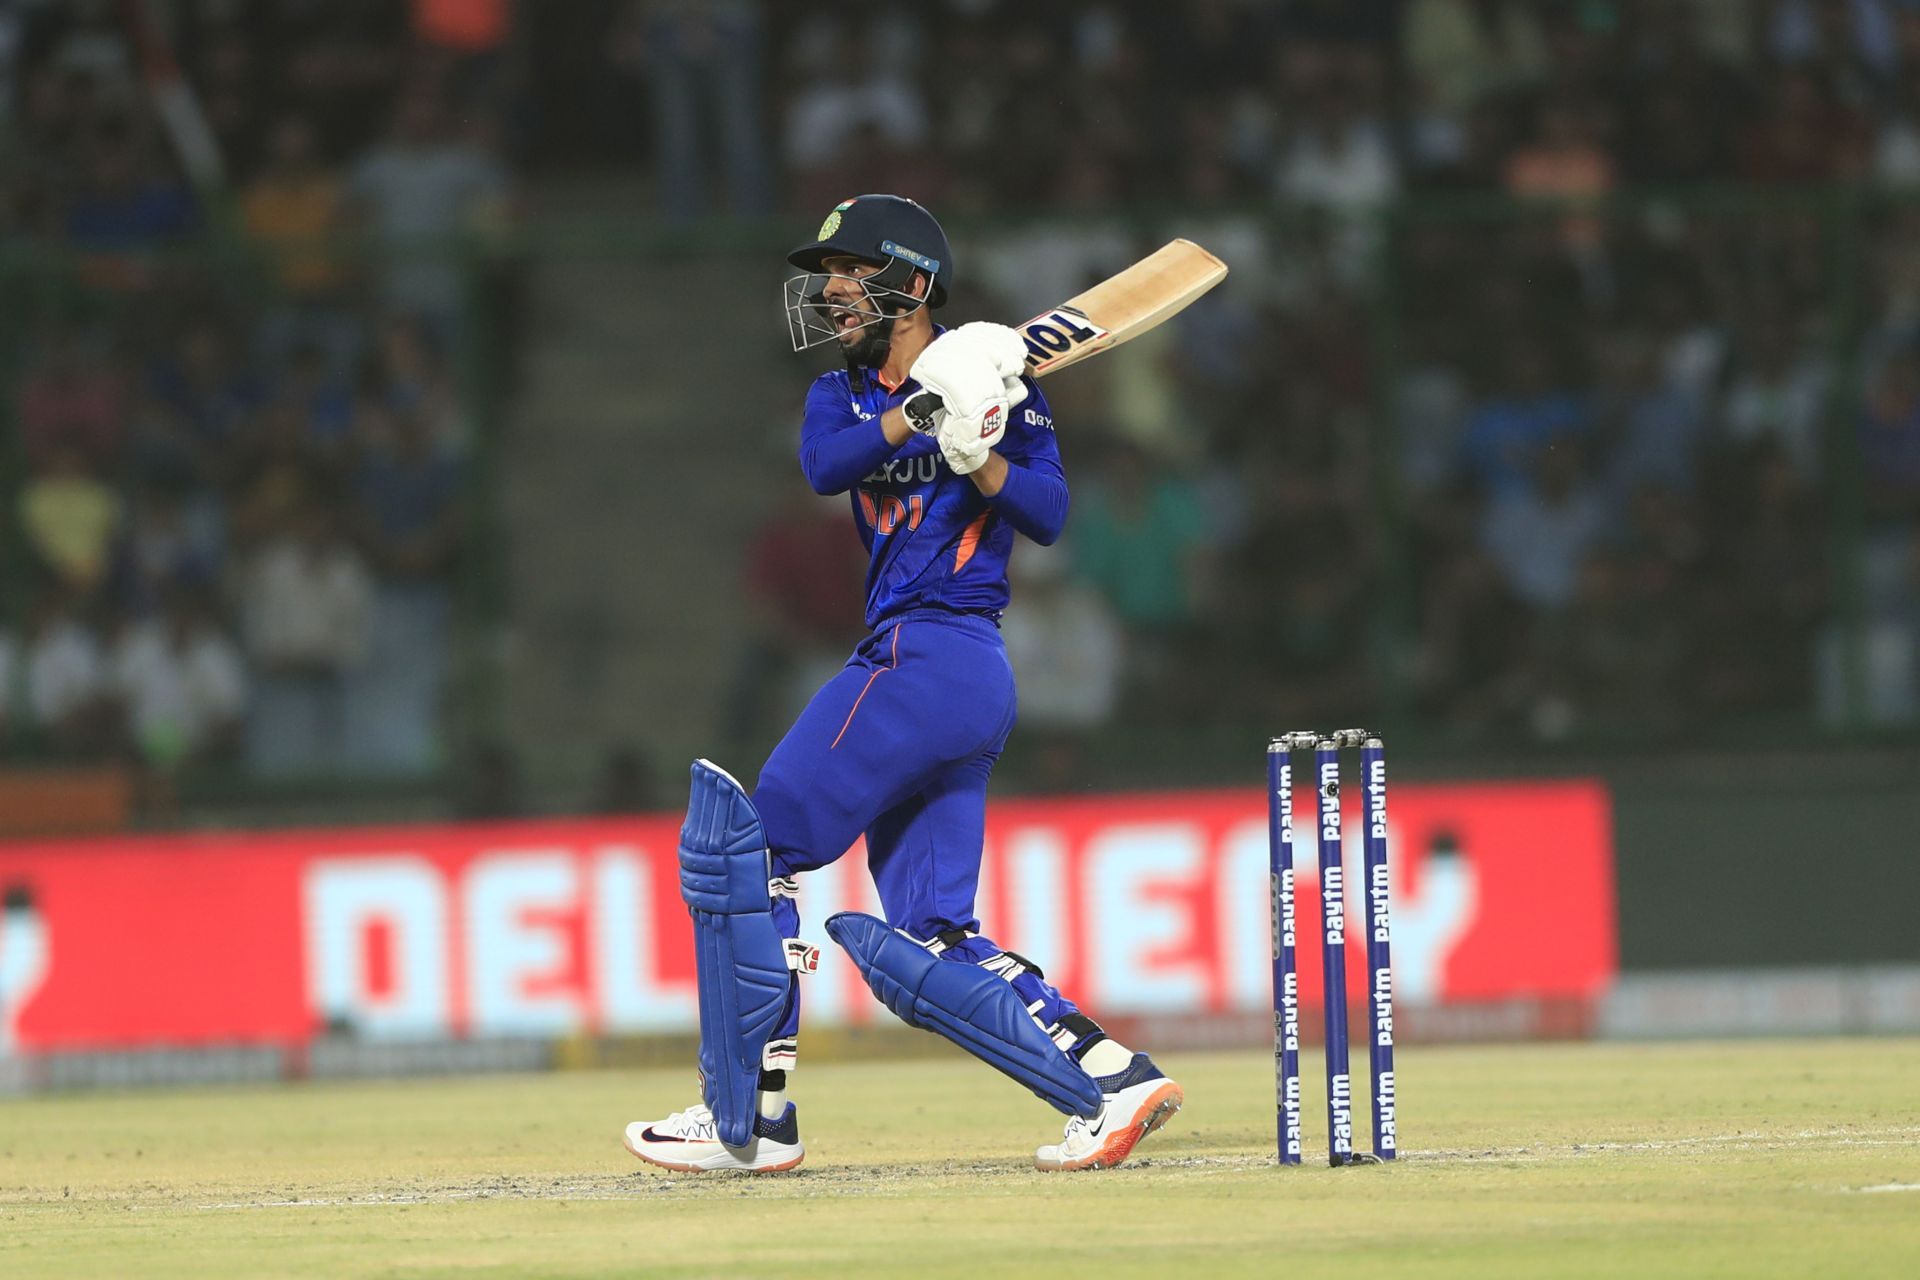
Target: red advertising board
x=1134, y=904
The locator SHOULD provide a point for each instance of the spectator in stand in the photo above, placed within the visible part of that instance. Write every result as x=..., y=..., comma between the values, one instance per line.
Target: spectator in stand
x=277, y=473
x=420, y=193
x=293, y=207
x=1534, y=411
x=1896, y=142
x=230, y=78
x=71, y=519
x=1650, y=429
x=203, y=392
x=1836, y=33
x=129, y=201
x=411, y=376
x=853, y=97
x=1565, y=163
x=308, y=611
x=164, y=549
x=323, y=397
x=1432, y=407
x=182, y=684
x=1893, y=273
x=1776, y=394
x=1541, y=534
x=410, y=517
x=90, y=40
x=1033, y=267
x=1691, y=334
x=1069, y=656
x=703, y=65
x=1340, y=157
x=1805, y=134
x=66, y=681
x=1468, y=49
x=1439, y=137
x=861, y=125
x=72, y=399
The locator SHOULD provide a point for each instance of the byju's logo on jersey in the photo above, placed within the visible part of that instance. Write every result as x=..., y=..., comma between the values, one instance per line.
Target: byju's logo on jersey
x=992, y=424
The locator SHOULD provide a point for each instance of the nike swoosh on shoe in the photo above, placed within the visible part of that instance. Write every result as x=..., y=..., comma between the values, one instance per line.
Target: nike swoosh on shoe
x=648, y=1135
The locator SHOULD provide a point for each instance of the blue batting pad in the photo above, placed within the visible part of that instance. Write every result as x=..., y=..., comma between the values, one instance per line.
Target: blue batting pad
x=970, y=1006
x=740, y=961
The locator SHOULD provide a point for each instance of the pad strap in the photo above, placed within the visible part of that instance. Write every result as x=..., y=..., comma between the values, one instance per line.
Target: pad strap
x=967, y=1004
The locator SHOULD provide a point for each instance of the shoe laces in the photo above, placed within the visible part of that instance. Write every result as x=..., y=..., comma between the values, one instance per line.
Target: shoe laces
x=697, y=1118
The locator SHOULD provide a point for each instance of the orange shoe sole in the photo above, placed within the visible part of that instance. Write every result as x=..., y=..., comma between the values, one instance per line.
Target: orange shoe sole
x=1158, y=1108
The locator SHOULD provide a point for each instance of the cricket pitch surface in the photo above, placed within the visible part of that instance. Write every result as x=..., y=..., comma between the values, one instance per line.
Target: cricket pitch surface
x=1723, y=1158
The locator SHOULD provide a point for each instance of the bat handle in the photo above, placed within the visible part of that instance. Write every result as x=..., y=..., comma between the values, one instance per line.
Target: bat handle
x=920, y=408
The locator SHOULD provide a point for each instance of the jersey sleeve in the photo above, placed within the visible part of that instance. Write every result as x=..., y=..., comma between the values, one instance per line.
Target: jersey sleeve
x=1034, y=499
x=837, y=445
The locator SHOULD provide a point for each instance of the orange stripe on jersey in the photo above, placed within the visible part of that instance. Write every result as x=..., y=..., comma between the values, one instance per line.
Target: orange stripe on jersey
x=893, y=661
x=970, y=541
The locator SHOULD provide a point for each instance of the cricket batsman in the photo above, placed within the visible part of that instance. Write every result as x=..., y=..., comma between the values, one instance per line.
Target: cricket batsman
x=947, y=450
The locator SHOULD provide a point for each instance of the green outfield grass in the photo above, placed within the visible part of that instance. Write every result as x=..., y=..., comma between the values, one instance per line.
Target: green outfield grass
x=1760, y=1158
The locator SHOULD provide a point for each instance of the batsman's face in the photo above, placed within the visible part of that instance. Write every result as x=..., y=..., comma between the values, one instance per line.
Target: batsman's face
x=850, y=310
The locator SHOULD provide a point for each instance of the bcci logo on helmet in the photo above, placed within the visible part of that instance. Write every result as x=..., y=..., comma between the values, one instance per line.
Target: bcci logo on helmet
x=832, y=224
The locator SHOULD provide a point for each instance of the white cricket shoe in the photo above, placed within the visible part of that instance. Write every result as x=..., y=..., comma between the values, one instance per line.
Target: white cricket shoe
x=689, y=1142
x=1135, y=1103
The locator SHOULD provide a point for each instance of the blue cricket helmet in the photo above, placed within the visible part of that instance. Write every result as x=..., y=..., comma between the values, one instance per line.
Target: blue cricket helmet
x=891, y=230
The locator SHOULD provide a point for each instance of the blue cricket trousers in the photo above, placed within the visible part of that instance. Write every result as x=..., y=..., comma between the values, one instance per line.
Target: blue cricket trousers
x=899, y=745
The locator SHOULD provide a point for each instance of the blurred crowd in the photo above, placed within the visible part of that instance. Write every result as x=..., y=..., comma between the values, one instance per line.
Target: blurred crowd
x=237, y=477
x=1465, y=443
x=985, y=105
x=1566, y=382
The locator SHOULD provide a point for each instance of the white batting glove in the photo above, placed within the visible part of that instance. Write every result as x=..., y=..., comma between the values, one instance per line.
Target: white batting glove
x=1000, y=343
x=956, y=368
x=1008, y=351
x=966, y=439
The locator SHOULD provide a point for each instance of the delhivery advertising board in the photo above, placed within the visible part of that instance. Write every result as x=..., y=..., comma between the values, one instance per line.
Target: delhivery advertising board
x=1138, y=905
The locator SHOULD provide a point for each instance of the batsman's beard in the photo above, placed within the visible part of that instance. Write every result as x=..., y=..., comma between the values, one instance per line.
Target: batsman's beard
x=869, y=347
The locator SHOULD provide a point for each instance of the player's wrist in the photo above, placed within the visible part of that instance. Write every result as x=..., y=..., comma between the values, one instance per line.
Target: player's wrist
x=896, y=427
x=991, y=476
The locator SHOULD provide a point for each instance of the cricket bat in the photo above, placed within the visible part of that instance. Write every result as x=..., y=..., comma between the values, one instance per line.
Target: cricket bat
x=1120, y=308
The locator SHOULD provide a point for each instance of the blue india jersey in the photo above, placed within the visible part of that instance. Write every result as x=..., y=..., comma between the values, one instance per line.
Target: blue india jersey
x=932, y=539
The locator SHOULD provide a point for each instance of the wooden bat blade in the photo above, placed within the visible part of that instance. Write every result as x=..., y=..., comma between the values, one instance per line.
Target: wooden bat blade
x=1121, y=307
